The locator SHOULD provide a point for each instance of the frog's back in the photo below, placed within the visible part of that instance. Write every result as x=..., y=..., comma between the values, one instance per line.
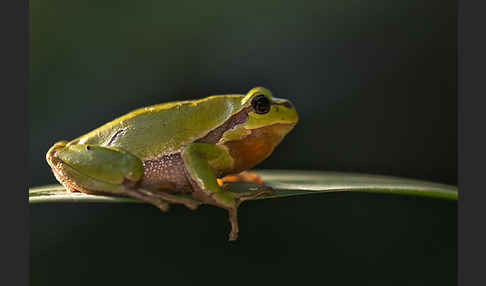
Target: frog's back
x=161, y=129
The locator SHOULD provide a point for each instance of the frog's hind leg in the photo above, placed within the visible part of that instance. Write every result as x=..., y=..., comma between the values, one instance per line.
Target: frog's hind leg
x=74, y=181
x=113, y=172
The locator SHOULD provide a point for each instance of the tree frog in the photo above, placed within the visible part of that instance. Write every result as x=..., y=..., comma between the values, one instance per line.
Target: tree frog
x=187, y=147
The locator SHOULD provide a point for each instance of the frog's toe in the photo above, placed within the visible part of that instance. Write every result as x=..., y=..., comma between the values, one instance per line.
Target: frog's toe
x=188, y=202
x=241, y=197
x=233, y=218
x=245, y=176
x=143, y=195
x=233, y=236
x=163, y=206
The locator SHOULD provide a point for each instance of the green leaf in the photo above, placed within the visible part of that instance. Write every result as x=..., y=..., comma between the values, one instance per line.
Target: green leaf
x=286, y=183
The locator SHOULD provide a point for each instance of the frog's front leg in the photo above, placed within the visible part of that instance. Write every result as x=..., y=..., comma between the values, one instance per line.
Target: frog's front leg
x=94, y=169
x=204, y=163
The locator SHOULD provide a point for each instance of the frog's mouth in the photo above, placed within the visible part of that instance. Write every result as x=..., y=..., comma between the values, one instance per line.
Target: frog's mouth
x=278, y=129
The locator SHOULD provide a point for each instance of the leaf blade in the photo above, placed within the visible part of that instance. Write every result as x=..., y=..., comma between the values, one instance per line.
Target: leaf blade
x=286, y=183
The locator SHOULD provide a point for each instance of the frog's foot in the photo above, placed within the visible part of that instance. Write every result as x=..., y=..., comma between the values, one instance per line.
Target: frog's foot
x=245, y=176
x=143, y=196
x=250, y=195
x=231, y=201
x=188, y=202
x=71, y=190
x=238, y=199
x=126, y=191
x=233, y=218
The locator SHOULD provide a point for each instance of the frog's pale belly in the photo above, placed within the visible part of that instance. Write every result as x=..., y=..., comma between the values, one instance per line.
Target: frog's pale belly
x=166, y=173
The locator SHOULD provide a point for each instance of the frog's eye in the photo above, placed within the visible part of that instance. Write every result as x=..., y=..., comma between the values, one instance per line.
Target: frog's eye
x=260, y=104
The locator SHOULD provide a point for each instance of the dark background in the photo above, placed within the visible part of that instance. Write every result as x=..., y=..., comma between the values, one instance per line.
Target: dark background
x=374, y=83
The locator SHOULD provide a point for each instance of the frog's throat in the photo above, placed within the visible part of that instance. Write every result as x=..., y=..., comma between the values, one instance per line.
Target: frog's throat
x=257, y=145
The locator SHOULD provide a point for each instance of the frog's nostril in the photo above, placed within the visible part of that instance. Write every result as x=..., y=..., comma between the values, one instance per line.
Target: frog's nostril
x=88, y=147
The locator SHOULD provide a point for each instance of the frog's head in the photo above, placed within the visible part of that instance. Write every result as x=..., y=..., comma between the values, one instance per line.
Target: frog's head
x=269, y=119
x=264, y=110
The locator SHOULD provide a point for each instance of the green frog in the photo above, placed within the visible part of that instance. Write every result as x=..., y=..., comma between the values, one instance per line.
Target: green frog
x=186, y=147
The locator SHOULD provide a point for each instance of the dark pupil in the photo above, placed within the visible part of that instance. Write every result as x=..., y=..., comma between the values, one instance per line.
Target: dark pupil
x=261, y=104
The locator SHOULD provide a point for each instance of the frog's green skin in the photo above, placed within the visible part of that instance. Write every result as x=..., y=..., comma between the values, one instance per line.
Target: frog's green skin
x=153, y=152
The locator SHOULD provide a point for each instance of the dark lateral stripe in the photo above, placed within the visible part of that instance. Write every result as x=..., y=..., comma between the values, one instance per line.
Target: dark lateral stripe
x=118, y=132
x=213, y=136
x=238, y=118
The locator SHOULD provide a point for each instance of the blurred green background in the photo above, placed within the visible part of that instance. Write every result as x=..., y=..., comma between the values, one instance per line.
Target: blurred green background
x=375, y=86
x=374, y=82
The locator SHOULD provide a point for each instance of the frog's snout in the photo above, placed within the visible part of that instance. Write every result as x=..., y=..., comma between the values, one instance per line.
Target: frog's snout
x=290, y=112
x=296, y=115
